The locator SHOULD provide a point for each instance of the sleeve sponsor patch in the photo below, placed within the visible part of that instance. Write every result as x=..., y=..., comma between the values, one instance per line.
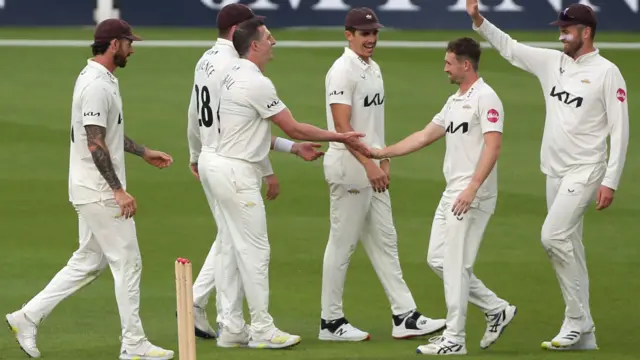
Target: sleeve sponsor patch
x=493, y=116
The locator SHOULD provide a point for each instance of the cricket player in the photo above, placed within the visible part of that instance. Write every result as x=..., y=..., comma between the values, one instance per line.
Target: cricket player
x=471, y=121
x=359, y=200
x=586, y=102
x=97, y=190
x=203, y=131
x=248, y=105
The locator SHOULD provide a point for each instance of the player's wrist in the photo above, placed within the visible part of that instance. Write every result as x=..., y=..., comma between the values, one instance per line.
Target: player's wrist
x=478, y=20
x=473, y=186
x=285, y=145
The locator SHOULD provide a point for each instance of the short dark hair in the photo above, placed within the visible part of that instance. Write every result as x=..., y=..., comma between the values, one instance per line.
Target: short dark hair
x=246, y=33
x=466, y=48
x=593, y=30
x=100, y=48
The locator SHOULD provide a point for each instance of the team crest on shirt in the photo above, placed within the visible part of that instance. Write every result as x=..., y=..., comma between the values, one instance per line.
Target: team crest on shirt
x=493, y=116
x=621, y=95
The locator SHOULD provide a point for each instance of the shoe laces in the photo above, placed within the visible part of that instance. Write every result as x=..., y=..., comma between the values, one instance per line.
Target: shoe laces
x=436, y=339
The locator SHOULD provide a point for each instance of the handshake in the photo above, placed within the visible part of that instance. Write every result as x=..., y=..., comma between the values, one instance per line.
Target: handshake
x=352, y=139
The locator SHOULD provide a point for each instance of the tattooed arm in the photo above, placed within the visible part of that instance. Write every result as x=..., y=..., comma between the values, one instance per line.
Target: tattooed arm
x=100, y=154
x=131, y=147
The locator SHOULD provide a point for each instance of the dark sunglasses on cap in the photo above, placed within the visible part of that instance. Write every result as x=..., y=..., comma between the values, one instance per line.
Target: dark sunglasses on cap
x=563, y=16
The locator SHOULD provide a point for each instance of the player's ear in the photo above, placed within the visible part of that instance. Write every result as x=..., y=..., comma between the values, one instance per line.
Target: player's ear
x=349, y=34
x=113, y=45
x=467, y=65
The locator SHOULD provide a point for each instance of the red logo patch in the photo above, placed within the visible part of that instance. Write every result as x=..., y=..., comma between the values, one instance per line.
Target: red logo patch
x=621, y=95
x=493, y=115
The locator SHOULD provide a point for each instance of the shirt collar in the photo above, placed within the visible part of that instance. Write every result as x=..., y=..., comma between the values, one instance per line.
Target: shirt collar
x=250, y=64
x=471, y=90
x=363, y=64
x=225, y=42
x=587, y=56
x=100, y=68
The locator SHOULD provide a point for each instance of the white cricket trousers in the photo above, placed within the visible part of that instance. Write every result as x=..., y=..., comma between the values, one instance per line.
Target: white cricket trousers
x=104, y=240
x=365, y=215
x=245, y=252
x=568, y=198
x=209, y=277
x=453, y=248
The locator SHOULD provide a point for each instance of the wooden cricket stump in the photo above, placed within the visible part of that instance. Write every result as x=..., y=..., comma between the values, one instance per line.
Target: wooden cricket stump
x=184, y=298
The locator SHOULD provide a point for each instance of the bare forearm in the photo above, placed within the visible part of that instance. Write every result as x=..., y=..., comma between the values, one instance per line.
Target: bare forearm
x=488, y=159
x=312, y=133
x=131, y=147
x=101, y=156
x=343, y=128
x=477, y=19
x=411, y=143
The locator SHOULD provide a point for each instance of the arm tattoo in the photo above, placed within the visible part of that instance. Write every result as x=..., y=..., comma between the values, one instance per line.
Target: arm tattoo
x=131, y=147
x=100, y=154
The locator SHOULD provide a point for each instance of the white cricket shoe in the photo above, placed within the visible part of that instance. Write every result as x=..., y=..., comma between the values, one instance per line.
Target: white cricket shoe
x=201, y=323
x=414, y=325
x=144, y=351
x=25, y=332
x=227, y=339
x=587, y=342
x=569, y=334
x=496, y=323
x=439, y=345
x=341, y=330
x=274, y=339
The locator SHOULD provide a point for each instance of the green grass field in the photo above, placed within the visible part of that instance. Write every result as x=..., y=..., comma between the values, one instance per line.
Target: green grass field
x=39, y=227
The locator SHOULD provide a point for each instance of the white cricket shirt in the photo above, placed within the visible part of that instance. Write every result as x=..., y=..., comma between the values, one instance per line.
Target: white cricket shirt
x=96, y=101
x=247, y=100
x=466, y=118
x=208, y=74
x=586, y=101
x=354, y=82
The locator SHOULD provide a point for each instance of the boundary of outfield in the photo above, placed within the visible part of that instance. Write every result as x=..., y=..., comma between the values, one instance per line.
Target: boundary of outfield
x=296, y=44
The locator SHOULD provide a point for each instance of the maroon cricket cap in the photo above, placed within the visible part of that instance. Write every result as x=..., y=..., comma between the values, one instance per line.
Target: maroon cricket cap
x=111, y=29
x=234, y=14
x=362, y=18
x=577, y=14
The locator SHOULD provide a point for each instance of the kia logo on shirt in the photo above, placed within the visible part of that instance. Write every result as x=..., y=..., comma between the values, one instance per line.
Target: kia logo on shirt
x=621, y=95
x=493, y=115
x=566, y=98
x=273, y=103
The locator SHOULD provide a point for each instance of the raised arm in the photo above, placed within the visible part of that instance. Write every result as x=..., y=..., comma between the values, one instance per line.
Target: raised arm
x=617, y=109
x=531, y=59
